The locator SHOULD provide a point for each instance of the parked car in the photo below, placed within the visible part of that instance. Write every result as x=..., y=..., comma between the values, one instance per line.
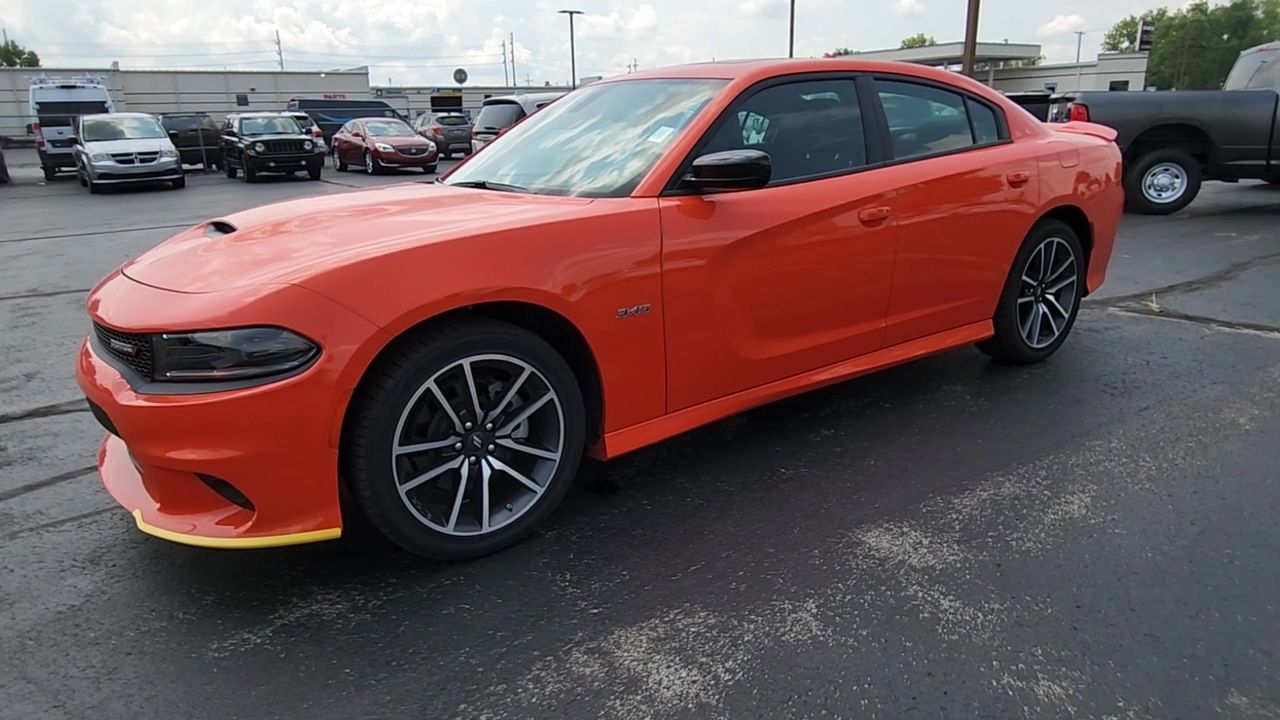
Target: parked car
x=441, y=356
x=333, y=114
x=1174, y=140
x=451, y=132
x=498, y=114
x=116, y=148
x=269, y=142
x=378, y=144
x=308, y=125
x=54, y=103
x=196, y=136
x=4, y=169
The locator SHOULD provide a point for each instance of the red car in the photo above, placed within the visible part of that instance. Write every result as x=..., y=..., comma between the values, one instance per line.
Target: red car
x=646, y=255
x=378, y=144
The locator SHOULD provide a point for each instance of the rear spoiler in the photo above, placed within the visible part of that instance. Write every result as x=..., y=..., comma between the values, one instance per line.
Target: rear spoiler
x=1087, y=128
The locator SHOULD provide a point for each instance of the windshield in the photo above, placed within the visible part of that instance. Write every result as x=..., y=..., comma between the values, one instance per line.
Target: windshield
x=387, y=128
x=498, y=116
x=188, y=122
x=269, y=126
x=599, y=141
x=120, y=128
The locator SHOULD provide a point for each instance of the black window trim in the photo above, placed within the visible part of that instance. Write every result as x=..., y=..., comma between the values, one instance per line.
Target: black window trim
x=1002, y=123
x=877, y=154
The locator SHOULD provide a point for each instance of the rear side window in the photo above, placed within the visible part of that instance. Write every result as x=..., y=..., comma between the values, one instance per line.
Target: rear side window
x=188, y=122
x=924, y=120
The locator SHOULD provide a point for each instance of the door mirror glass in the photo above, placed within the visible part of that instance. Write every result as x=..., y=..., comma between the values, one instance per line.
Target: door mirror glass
x=730, y=170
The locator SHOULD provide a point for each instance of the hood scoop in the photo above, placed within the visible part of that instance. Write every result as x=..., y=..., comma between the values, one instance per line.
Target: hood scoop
x=218, y=228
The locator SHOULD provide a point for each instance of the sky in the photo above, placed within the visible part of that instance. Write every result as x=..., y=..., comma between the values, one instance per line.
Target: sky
x=420, y=42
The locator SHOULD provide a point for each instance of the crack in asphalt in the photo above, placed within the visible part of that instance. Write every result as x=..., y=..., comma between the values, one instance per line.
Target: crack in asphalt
x=43, y=411
x=1201, y=283
x=93, y=233
x=56, y=523
x=21, y=490
x=1170, y=314
x=48, y=293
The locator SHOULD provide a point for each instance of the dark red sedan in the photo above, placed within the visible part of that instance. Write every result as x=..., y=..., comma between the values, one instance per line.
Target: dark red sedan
x=378, y=144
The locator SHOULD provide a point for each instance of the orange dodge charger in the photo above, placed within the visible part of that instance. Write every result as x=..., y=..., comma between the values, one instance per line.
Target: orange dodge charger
x=647, y=255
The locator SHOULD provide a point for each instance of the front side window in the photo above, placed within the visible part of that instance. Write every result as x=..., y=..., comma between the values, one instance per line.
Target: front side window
x=924, y=120
x=280, y=125
x=809, y=129
x=120, y=128
x=599, y=141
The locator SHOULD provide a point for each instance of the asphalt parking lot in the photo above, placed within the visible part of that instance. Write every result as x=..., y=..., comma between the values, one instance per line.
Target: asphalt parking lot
x=1092, y=537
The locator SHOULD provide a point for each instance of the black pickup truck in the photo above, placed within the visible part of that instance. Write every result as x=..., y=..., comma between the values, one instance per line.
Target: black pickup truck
x=1172, y=140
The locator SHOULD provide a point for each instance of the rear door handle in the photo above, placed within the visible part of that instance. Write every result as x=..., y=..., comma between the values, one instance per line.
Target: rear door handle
x=1018, y=178
x=872, y=216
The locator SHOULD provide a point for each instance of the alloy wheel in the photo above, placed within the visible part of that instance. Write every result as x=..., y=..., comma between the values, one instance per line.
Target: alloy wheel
x=1048, y=292
x=478, y=444
x=334, y=157
x=368, y=162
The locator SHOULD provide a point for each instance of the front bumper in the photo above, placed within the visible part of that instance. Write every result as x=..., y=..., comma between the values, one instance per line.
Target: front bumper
x=393, y=160
x=276, y=445
x=112, y=172
x=285, y=163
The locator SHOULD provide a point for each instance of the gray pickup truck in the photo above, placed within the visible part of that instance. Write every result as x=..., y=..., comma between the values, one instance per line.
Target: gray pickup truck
x=1172, y=140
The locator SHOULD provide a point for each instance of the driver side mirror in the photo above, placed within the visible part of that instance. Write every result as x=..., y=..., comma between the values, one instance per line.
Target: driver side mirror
x=229, y=132
x=356, y=134
x=73, y=140
x=730, y=170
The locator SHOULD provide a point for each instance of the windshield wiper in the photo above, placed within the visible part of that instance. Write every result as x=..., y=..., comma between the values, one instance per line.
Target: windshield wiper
x=490, y=185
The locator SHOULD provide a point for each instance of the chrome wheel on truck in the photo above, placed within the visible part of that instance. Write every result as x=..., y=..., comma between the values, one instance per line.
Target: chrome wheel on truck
x=1161, y=182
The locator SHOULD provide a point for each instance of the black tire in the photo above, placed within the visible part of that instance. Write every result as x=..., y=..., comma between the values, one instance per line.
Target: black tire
x=1008, y=344
x=429, y=169
x=1137, y=201
x=231, y=169
x=250, y=173
x=50, y=173
x=371, y=164
x=84, y=182
x=338, y=163
x=314, y=171
x=94, y=188
x=370, y=428
x=180, y=183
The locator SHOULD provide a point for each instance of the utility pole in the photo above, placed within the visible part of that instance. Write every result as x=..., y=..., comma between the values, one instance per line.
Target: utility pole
x=504, y=63
x=279, y=50
x=514, y=78
x=573, y=61
x=791, y=41
x=1079, y=42
x=6, y=35
x=970, y=39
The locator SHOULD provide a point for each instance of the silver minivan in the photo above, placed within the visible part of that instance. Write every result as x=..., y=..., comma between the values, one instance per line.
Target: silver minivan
x=122, y=148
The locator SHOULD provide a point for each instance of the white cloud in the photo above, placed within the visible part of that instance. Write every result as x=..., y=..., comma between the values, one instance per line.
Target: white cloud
x=1061, y=25
x=909, y=7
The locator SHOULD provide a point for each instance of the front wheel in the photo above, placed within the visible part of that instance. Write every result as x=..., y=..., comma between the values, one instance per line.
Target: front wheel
x=1162, y=182
x=250, y=173
x=231, y=169
x=313, y=172
x=1041, y=296
x=428, y=169
x=339, y=164
x=464, y=438
x=180, y=183
x=371, y=164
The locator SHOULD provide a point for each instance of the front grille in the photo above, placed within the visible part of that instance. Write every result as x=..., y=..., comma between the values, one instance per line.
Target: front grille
x=141, y=158
x=130, y=349
x=60, y=143
x=283, y=147
x=412, y=151
x=148, y=175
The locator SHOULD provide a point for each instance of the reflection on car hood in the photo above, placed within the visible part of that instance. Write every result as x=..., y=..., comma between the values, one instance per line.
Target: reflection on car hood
x=128, y=146
x=292, y=241
x=399, y=139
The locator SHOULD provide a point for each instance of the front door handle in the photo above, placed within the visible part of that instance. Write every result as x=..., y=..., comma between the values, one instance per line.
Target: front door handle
x=872, y=216
x=1018, y=178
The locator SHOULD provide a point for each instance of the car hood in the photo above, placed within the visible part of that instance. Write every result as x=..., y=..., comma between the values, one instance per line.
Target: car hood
x=128, y=146
x=292, y=241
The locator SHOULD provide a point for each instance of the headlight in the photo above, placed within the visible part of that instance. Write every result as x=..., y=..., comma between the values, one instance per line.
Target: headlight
x=431, y=147
x=168, y=153
x=383, y=147
x=259, y=147
x=306, y=145
x=230, y=354
x=99, y=157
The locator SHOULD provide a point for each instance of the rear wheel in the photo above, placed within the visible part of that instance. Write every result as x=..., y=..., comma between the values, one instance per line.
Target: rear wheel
x=50, y=173
x=1161, y=182
x=464, y=438
x=1041, y=296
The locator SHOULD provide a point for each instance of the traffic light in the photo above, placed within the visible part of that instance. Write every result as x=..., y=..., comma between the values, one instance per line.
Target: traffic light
x=1146, y=35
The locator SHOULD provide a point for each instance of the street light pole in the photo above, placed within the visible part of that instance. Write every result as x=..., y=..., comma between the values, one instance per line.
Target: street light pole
x=970, y=39
x=791, y=44
x=1079, y=42
x=573, y=62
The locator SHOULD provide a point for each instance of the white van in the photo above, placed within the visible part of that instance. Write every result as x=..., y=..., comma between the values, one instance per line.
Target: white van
x=54, y=104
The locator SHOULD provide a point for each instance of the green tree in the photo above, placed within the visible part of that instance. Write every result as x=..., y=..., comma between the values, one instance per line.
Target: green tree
x=839, y=52
x=916, y=41
x=1196, y=45
x=14, y=55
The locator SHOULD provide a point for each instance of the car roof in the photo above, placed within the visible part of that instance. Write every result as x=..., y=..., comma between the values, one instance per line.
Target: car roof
x=97, y=116
x=524, y=98
x=265, y=113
